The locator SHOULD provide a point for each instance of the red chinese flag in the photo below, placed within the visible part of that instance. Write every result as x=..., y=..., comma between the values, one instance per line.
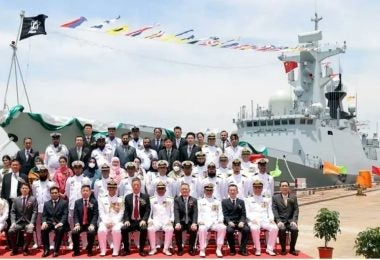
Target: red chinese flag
x=376, y=170
x=290, y=65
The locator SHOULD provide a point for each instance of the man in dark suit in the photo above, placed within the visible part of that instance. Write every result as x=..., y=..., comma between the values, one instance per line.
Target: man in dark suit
x=85, y=220
x=11, y=188
x=285, y=211
x=79, y=152
x=26, y=156
x=23, y=217
x=125, y=152
x=88, y=140
x=168, y=154
x=188, y=151
x=54, y=217
x=136, y=214
x=178, y=141
x=235, y=219
x=157, y=143
x=185, y=218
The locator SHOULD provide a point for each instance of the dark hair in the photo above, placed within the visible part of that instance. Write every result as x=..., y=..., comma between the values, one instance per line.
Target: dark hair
x=62, y=157
x=138, y=159
x=27, y=137
x=54, y=188
x=15, y=160
x=200, y=133
x=282, y=181
x=234, y=136
x=25, y=184
x=6, y=156
x=136, y=179
x=125, y=134
x=167, y=138
x=190, y=133
x=86, y=186
x=157, y=128
x=78, y=136
x=87, y=124
x=151, y=163
x=177, y=127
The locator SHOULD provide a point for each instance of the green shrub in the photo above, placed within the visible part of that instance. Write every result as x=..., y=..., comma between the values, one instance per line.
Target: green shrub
x=327, y=225
x=367, y=243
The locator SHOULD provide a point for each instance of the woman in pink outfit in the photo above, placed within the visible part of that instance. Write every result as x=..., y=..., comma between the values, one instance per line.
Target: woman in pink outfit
x=116, y=172
x=61, y=175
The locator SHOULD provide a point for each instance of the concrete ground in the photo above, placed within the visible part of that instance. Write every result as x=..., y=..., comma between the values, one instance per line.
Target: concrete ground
x=356, y=214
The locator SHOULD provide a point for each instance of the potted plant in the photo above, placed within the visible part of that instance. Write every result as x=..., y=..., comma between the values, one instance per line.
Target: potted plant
x=367, y=243
x=326, y=226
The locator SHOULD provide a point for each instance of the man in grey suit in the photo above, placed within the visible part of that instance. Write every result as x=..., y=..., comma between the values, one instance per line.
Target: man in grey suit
x=285, y=211
x=26, y=156
x=168, y=154
x=23, y=217
x=125, y=152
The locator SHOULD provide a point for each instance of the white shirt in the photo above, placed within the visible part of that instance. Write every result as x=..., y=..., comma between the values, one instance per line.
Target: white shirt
x=233, y=153
x=14, y=185
x=138, y=145
x=103, y=156
x=41, y=190
x=210, y=211
x=73, y=188
x=114, y=143
x=162, y=210
x=146, y=157
x=268, y=182
x=52, y=155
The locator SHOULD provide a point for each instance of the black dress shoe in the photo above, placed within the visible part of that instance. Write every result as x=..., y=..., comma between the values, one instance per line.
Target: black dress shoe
x=90, y=253
x=180, y=252
x=55, y=254
x=192, y=252
x=283, y=252
x=142, y=253
x=14, y=252
x=25, y=253
x=125, y=252
x=243, y=252
x=76, y=254
x=46, y=253
x=232, y=253
x=293, y=252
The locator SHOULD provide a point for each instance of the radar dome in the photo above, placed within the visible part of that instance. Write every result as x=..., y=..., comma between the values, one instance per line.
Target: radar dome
x=281, y=102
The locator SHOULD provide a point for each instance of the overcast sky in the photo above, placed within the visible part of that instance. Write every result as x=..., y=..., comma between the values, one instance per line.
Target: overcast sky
x=76, y=72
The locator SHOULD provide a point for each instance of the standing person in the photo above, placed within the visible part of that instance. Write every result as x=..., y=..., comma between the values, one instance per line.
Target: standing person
x=41, y=190
x=146, y=154
x=26, y=156
x=125, y=152
x=285, y=211
x=201, y=139
x=191, y=179
x=92, y=171
x=178, y=141
x=234, y=150
x=103, y=153
x=235, y=219
x=85, y=220
x=215, y=180
x=157, y=143
x=161, y=218
x=88, y=140
x=6, y=168
x=100, y=185
x=211, y=150
x=162, y=176
x=54, y=152
x=111, y=210
x=61, y=175
x=168, y=154
x=136, y=141
x=136, y=214
x=23, y=217
x=260, y=215
x=117, y=173
x=54, y=218
x=112, y=140
x=185, y=218
x=210, y=217
x=33, y=174
x=265, y=177
x=79, y=152
x=187, y=152
x=240, y=180
x=224, y=143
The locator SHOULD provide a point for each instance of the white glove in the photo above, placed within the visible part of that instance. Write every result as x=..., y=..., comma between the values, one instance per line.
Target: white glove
x=142, y=223
x=58, y=225
x=12, y=226
x=178, y=226
x=77, y=228
x=293, y=224
x=241, y=224
x=231, y=224
x=91, y=227
x=127, y=223
x=280, y=225
x=44, y=226
x=193, y=227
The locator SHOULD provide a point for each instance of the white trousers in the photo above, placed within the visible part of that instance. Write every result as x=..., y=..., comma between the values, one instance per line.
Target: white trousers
x=116, y=237
x=202, y=234
x=255, y=231
x=168, y=229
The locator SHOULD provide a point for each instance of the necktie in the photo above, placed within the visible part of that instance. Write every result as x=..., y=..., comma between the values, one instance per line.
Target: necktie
x=223, y=146
x=85, y=211
x=23, y=203
x=234, y=203
x=136, y=208
x=189, y=151
x=168, y=154
x=186, y=212
x=79, y=151
x=88, y=139
x=157, y=144
x=54, y=203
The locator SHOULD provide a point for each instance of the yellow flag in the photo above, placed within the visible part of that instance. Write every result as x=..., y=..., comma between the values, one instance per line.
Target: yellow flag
x=170, y=38
x=117, y=30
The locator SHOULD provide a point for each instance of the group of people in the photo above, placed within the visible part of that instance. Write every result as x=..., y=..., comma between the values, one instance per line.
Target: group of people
x=110, y=187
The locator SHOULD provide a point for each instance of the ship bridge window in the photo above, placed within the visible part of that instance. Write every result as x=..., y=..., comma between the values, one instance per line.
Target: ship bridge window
x=249, y=123
x=277, y=122
x=302, y=121
x=255, y=123
x=270, y=122
x=263, y=123
x=292, y=121
x=242, y=124
x=284, y=121
x=310, y=121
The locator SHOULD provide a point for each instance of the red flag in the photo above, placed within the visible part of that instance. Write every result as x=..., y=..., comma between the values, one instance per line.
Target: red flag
x=376, y=170
x=290, y=65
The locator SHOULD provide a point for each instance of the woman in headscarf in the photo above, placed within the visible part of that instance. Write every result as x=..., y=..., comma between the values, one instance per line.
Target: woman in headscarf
x=116, y=172
x=61, y=175
x=92, y=171
x=33, y=174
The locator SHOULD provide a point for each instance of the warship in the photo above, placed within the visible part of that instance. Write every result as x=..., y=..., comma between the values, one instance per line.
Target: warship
x=305, y=125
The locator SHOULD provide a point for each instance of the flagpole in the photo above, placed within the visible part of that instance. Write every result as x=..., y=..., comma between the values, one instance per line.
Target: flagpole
x=22, y=15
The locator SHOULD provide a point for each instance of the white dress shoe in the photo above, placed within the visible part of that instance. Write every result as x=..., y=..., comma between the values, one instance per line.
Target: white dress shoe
x=270, y=252
x=258, y=253
x=202, y=253
x=153, y=252
x=219, y=253
x=167, y=252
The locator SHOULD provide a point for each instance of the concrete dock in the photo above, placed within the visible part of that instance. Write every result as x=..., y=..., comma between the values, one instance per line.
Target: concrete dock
x=356, y=214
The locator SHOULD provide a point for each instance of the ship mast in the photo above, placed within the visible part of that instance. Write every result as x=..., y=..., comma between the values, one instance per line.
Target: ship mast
x=16, y=69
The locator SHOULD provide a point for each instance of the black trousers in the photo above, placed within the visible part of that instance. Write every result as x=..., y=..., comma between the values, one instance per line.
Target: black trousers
x=135, y=226
x=244, y=236
x=90, y=238
x=293, y=237
x=17, y=232
x=59, y=232
x=178, y=236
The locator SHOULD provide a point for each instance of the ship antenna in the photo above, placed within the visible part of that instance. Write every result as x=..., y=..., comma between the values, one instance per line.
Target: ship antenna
x=15, y=68
x=316, y=20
